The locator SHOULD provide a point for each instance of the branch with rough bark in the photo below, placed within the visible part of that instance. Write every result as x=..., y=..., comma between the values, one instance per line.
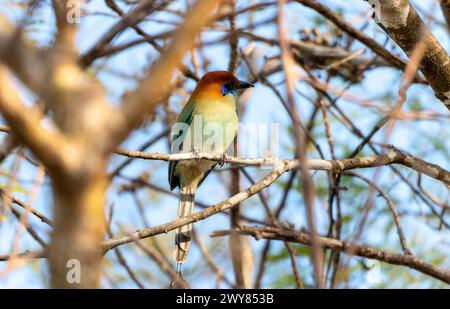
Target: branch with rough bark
x=353, y=32
x=206, y=213
x=130, y=19
x=24, y=205
x=25, y=122
x=29, y=63
x=445, y=7
x=403, y=24
x=304, y=238
x=394, y=156
x=280, y=167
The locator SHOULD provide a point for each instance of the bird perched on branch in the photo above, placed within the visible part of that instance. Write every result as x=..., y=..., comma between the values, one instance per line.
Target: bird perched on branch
x=207, y=123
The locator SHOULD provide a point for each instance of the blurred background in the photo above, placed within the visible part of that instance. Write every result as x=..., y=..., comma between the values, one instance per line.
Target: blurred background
x=362, y=91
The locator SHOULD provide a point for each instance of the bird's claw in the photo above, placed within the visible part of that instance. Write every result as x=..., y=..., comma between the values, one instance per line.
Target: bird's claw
x=223, y=160
x=196, y=153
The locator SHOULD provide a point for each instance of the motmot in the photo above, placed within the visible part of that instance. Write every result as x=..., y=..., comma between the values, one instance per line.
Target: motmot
x=207, y=123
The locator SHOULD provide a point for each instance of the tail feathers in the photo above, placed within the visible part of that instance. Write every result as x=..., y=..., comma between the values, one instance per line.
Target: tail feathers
x=184, y=233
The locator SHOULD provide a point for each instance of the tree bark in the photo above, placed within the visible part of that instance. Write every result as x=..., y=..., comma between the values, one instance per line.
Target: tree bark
x=403, y=24
x=78, y=232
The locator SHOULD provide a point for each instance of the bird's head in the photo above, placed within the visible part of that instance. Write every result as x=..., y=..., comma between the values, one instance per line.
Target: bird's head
x=219, y=84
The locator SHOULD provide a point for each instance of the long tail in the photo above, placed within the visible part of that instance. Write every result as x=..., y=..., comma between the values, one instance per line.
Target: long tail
x=184, y=233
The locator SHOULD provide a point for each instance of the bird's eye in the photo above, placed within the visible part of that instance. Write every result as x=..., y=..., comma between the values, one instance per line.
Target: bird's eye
x=227, y=88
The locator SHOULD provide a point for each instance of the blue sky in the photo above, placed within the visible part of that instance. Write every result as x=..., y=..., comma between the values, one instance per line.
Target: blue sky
x=263, y=106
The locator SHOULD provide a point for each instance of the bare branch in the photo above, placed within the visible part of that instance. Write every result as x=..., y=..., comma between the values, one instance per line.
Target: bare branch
x=355, y=33
x=25, y=255
x=335, y=244
x=281, y=166
x=23, y=205
x=26, y=61
x=208, y=212
x=47, y=145
x=403, y=24
x=394, y=156
x=401, y=235
x=130, y=19
x=445, y=6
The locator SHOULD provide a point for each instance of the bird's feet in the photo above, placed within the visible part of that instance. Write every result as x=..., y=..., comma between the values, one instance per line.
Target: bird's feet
x=196, y=153
x=223, y=160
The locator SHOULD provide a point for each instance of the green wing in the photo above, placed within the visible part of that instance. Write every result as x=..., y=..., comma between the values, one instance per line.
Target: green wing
x=186, y=116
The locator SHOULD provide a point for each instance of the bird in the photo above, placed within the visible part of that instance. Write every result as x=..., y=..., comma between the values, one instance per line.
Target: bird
x=208, y=123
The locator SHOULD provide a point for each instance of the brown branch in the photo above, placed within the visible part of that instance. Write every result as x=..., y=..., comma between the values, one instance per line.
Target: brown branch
x=434, y=199
x=150, y=142
x=29, y=229
x=208, y=212
x=163, y=265
x=351, y=249
x=293, y=258
x=220, y=274
x=233, y=38
x=266, y=249
x=146, y=38
x=355, y=33
x=445, y=7
x=403, y=24
x=141, y=182
x=7, y=146
x=401, y=235
x=281, y=166
x=65, y=36
x=394, y=156
x=47, y=145
x=120, y=258
x=127, y=268
x=30, y=64
x=300, y=137
x=130, y=19
x=25, y=206
x=311, y=51
x=24, y=255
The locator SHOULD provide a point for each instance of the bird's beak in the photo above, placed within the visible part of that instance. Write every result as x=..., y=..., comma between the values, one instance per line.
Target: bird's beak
x=243, y=85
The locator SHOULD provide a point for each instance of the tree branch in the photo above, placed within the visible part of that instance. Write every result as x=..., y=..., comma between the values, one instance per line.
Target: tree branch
x=355, y=33
x=48, y=146
x=280, y=167
x=23, y=205
x=445, y=6
x=130, y=19
x=208, y=212
x=26, y=61
x=24, y=255
x=335, y=244
x=394, y=156
x=403, y=24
